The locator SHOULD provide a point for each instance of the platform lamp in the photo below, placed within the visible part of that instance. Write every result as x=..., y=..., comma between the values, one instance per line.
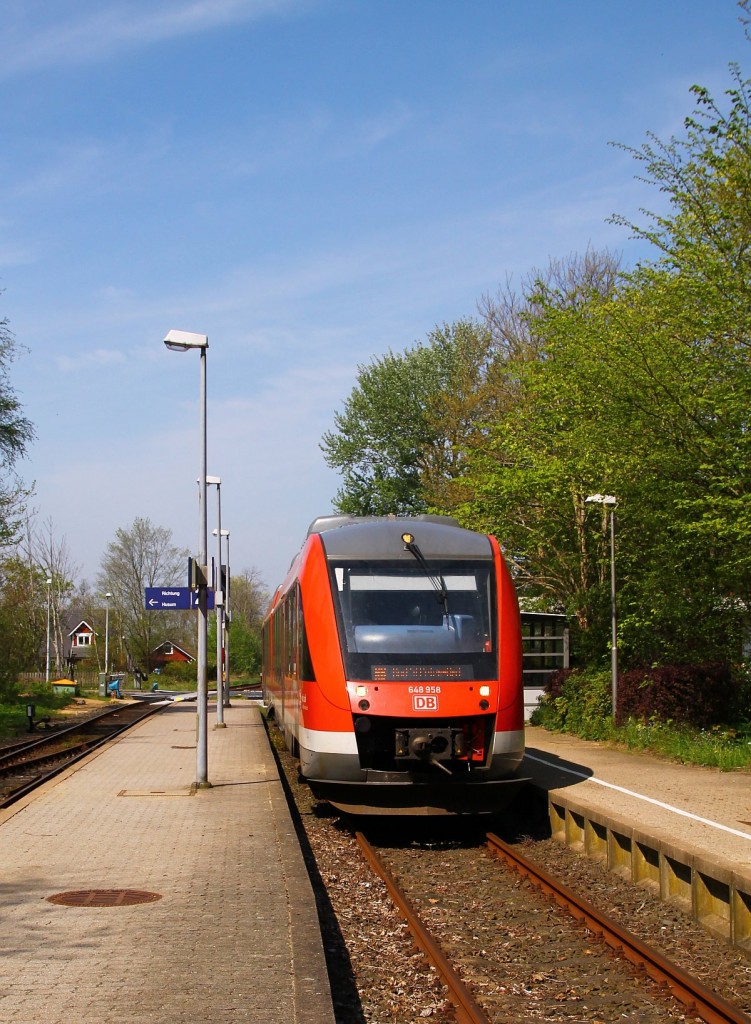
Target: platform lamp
x=216, y=481
x=49, y=596
x=184, y=341
x=107, y=597
x=609, y=501
x=226, y=615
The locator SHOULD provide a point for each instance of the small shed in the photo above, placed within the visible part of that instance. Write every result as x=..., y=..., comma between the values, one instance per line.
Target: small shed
x=66, y=687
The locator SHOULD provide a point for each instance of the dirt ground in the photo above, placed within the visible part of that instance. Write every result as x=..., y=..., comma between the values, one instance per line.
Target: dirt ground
x=84, y=706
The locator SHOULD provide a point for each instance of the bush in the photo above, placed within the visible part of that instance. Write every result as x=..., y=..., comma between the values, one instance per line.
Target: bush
x=179, y=672
x=697, y=695
x=577, y=702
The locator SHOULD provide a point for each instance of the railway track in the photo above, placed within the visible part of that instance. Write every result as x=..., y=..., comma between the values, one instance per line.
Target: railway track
x=467, y=1009
x=27, y=764
x=696, y=997
x=699, y=1001
x=519, y=955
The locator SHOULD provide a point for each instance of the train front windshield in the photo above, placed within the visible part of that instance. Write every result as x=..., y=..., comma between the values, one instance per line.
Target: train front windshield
x=400, y=621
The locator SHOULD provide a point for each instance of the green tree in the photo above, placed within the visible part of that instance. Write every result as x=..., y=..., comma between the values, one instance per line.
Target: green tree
x=529, y=470
x=142, y=556
x=23, y=596
x=248, y=600
x=16, y=433
x=392, y=433
x=685, y=391
x=643, y=391
x=247, y=603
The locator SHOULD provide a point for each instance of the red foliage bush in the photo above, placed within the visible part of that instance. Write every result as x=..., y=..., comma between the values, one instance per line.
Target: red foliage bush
x=555, y=681
x=696, y=695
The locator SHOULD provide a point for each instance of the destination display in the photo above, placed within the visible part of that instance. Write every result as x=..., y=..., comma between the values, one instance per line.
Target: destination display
x=425, y=673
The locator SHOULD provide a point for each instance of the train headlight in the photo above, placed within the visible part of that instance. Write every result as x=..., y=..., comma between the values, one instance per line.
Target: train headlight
x=484, y=691
x=484, y=705
x=362, y=691
x=363, y=705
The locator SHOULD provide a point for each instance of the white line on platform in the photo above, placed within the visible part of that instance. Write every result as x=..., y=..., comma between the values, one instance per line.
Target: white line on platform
x=640, y=796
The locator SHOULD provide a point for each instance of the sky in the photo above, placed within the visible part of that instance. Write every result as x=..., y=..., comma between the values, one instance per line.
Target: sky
x=310, y=183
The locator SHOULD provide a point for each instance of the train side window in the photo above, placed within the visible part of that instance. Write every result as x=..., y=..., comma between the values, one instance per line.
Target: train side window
x=307, y=671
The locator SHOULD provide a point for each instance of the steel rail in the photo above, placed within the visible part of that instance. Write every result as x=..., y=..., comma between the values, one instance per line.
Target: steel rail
x=67, y=762
x=39, y=742
x=467, y=1010
x=706, y=1004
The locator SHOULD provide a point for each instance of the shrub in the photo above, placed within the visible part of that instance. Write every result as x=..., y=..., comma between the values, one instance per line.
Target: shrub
x=179, y=672
x=697, y=695
x=577, y=702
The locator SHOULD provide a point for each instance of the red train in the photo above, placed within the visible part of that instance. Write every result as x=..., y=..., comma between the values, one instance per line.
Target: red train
x=392, y=663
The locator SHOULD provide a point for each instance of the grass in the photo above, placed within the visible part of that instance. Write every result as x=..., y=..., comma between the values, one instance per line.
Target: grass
x=720, y=747
x=14, y=720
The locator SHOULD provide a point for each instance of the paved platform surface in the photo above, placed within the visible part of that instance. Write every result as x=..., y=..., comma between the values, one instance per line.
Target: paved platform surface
x=235, y=935
x=703, y=810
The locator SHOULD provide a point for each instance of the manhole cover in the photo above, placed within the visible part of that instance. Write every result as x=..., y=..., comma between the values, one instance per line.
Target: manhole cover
x=103, y=898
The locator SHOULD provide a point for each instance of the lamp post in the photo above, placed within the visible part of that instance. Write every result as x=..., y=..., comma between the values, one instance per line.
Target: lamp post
x=225, y=613
x=609, y=501
x=218, y=602
x=107, y=597
x=184, y=341
x=49, y=594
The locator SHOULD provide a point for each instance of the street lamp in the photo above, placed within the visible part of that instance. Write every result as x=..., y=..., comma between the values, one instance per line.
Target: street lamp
x=216, y=481
x=225, y=612
x=49, y=594
x=107, y=597
x=609, y=501
x=184, y=341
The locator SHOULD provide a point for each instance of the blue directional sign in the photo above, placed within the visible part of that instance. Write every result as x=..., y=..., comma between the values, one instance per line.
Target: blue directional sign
x=174, y=599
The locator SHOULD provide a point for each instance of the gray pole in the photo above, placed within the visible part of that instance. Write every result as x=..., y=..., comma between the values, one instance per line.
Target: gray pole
x=225, y=625
x=202, y=775
x=107, y=634
x=614, y=617
x=219, y=605
x=49, y=591
x=609, y=500
x=183, y=341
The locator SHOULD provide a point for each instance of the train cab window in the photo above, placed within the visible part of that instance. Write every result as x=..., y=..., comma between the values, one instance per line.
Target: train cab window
x=393, y=614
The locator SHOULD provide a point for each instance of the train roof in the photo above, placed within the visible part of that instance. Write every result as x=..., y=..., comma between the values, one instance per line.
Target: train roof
x=354, y=537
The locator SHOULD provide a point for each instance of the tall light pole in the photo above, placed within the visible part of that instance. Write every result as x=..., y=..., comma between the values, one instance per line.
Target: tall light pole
x=184, y=341
x=225, y=613
x=218, y=601
x=609, y=501
x=49, y=594
x=107, y=597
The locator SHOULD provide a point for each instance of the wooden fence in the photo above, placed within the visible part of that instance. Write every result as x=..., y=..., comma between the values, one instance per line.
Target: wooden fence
x=85, y=680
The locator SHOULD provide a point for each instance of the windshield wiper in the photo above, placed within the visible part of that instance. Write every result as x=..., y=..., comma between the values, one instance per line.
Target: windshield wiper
x=437, y=581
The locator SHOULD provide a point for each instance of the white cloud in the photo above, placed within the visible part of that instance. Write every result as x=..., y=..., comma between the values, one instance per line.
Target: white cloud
x=35, y=39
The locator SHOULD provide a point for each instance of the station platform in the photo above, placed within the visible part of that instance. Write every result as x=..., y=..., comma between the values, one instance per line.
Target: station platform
x=228, y=930
x=681, y=829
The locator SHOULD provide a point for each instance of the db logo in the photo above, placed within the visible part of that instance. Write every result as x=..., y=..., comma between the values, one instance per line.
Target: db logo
x=423, y=703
